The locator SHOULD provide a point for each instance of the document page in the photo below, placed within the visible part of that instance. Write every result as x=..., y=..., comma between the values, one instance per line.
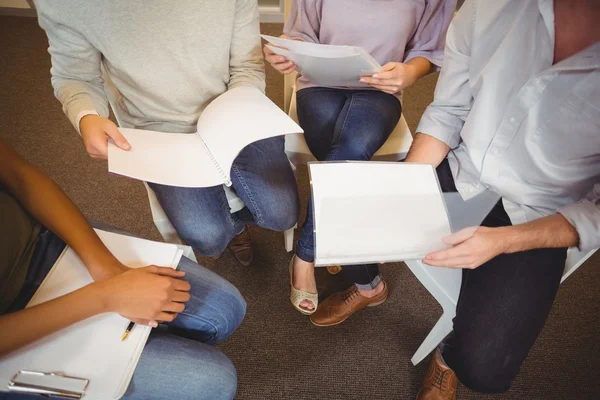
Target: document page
x=174, y=159
x=376, y=211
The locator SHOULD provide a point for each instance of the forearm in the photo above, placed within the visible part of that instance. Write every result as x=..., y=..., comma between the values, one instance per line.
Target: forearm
x=427, y=150
x=20, y=328
x=553, y=231
x=420, y=67
x=48, y=204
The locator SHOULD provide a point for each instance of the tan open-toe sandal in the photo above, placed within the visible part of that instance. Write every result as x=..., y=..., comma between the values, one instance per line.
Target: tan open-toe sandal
x=297, y=295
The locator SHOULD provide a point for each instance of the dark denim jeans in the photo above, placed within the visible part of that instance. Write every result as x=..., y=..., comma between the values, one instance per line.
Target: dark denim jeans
x=502, y=307
x=344, y=125
x=262, y=177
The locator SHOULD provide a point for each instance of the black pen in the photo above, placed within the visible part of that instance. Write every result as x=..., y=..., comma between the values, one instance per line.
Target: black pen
x=129, y=328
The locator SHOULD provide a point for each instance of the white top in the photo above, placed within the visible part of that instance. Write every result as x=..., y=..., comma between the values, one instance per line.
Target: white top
x=518, y=125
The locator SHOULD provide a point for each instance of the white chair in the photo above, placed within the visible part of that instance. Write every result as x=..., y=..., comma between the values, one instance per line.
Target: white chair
x=444, y=283
x=394, y=149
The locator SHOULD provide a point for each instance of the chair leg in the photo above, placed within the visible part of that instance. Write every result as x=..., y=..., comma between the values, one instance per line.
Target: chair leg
x=288, y=237
x=441, y=329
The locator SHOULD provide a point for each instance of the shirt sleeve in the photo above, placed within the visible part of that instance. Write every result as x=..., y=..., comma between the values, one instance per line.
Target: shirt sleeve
x=585, y=217
x=76, y=68
x=446, y=115
x=303, y=21
x=246, y=66
x=430, y=36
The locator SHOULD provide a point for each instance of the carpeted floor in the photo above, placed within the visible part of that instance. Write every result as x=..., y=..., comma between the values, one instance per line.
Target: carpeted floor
x=278, y=353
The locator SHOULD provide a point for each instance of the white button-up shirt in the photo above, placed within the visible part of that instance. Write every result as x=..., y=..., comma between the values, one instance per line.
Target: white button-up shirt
x=518, y=125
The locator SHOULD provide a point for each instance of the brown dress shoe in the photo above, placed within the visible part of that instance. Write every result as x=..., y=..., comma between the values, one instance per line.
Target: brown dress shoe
x=440, y=381
x=241, y=247
x=339, y=306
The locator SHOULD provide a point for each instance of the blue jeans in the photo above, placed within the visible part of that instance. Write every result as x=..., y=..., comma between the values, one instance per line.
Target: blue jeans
x=179, y=360
x=344, y=125
x=262, y=177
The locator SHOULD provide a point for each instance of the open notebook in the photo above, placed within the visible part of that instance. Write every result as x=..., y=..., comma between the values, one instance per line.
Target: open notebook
x=91, y=349
x=326, y=65
x=368, y=212
x=229, y=123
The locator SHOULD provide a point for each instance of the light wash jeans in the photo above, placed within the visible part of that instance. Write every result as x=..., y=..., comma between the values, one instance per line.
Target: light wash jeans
x=179, y=361
x=261, y=176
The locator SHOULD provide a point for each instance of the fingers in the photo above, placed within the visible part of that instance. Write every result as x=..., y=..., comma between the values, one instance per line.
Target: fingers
x=386, y=89
x=97, y=147
x=444, y=255
x=113, y=132
x=166, y=271
x=174, y=307
x=166, y=317
x=181, y=285
x=384, y=75
x=180, y=296
x=389, y=66
x=289, y=70
x=460, y=236
x=145, y=322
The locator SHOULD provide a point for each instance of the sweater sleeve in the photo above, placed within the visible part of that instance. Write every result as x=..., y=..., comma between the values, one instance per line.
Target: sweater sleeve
x=303, y=21
x=76, y=67
x=246, y=66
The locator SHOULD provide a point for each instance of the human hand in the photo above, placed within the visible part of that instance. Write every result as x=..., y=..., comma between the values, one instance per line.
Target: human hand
x=280, y=63
x=96, y=131
x=392, y=78
x=146, y=295
x=471, y=248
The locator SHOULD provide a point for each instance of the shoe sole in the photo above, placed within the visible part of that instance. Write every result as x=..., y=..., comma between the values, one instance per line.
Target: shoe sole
x=349, y=315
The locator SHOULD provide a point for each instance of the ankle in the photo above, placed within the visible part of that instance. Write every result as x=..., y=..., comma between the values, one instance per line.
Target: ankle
x=372, y=292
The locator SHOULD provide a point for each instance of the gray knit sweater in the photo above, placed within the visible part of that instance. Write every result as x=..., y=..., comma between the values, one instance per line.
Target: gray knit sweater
x=167, y=59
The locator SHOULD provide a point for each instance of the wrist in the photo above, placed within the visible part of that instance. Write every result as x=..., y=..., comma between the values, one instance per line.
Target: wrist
x=99, y=298
x=511, y=241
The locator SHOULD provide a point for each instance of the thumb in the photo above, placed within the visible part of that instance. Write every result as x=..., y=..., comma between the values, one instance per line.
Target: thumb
x=388, y=67
x=113, y=132
x=460, y=236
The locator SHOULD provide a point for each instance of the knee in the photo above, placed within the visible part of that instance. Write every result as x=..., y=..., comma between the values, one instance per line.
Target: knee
x=210, y=240
x=215, y=380
x=361, y=150
x=484, y=374
x=232, y=313
x=282, y=214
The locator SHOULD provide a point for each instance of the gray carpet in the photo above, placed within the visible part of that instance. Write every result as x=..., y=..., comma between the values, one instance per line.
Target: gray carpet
x=278, y=353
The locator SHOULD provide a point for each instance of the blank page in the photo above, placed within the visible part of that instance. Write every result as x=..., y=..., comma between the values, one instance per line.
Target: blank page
x=239, y=117
x=175, y=159
x=376, y=211
x=92, y=348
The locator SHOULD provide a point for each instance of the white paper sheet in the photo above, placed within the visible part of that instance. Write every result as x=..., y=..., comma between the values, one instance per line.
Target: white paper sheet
x=326, y=65
x=92, y=348
x=176, y=159
x=238, y=118
x=232, y=121
x=376, y=211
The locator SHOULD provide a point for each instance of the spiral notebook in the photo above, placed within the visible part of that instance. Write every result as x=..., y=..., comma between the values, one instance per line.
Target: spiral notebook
x=91, y=349
x=326, y=65
x=232, y=121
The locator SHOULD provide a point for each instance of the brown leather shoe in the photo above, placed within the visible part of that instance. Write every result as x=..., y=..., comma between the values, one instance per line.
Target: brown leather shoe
x=440, y=381
x=339, y=306
x=241, y=247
